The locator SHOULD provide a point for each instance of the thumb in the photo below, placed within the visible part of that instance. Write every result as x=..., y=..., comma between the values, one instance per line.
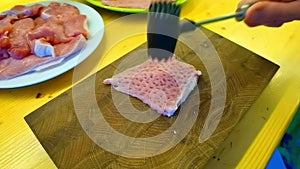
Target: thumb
x=272, y=13
x=245, y=2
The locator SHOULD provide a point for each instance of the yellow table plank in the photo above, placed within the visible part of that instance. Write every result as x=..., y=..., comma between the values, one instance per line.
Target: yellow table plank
x=265, y=143
x=267, y=118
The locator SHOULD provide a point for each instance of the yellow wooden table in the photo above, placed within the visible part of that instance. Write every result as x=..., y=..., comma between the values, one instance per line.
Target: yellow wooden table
x=251, y=143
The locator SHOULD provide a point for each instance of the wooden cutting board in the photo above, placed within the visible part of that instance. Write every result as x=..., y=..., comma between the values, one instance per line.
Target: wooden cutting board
x=57, y=128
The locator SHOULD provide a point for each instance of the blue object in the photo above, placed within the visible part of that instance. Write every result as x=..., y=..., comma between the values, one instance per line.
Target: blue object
x=276, y=161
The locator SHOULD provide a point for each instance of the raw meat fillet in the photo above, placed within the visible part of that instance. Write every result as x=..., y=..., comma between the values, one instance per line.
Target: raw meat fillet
x=163, y=85
x=69, y=16
x=52, y=31
x=11, y=67
x=19, y=46
x=143, y=4
x=60, y=11
x=38, y=37
x=23, y=11
x=76, y=25
x=66, y=49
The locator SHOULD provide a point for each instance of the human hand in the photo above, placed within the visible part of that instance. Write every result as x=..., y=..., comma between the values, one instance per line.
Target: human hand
x=271, y=13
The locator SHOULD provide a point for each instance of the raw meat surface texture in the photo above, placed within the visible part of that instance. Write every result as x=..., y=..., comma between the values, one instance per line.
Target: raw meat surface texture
x=163, y=85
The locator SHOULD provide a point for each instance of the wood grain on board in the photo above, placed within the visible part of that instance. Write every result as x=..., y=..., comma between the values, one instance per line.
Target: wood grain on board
x=57, y=128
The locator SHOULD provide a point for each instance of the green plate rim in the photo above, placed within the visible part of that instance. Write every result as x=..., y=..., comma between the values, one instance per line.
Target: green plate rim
x=126, y=10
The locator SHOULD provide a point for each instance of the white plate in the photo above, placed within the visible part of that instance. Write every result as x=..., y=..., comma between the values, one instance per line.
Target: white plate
x=96, y=30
